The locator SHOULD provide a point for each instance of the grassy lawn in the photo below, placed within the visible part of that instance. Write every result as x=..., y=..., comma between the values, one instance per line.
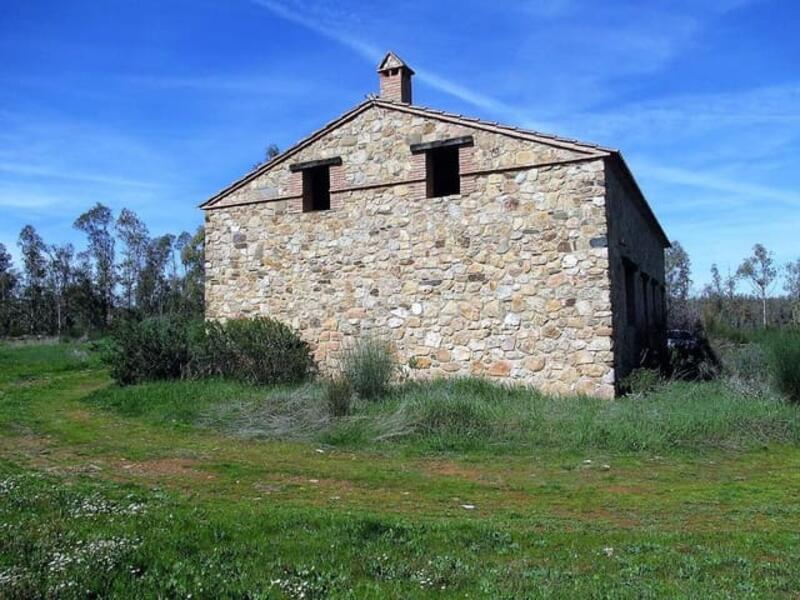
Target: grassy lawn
x=459, y=489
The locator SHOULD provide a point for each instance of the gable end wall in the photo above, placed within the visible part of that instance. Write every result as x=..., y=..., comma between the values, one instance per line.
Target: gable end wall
x=508, y=279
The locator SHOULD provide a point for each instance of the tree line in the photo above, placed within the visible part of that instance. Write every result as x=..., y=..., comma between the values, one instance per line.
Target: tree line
x=123, y=271
x=722, y=301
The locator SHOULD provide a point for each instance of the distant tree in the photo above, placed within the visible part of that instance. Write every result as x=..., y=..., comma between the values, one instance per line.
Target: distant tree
x=34, y=271
x=678, y=268
x=8, y=285
x=84, y=301
x=721, y=294
x=135, y=238
x=270, y=152
x=792, y=283
x=154, y=289
x=60, y=275
x=97, y=224
x=191, y=248
x=713, y=291
x=760, y=272
x=792, y=287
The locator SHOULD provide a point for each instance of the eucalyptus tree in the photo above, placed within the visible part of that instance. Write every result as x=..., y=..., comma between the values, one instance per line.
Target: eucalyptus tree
x=135, y=238
x=8, y=285
x=97, y=224
x=760, y=272
x=34, y=272
x=678, y=274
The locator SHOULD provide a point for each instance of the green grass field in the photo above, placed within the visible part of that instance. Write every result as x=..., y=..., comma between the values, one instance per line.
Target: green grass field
x=454, y=489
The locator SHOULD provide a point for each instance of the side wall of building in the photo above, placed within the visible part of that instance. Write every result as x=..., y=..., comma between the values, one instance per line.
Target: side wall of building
x=507, y=279
x=636, y=257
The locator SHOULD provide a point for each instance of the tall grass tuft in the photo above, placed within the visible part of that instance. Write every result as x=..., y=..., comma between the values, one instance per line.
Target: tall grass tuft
x=783, y=348
x=368, y=366
x=338, y=396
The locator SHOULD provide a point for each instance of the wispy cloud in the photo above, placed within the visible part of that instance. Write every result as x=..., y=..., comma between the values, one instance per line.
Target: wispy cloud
x=373, y=54
x=363, y=48
x=710, y=181
x=254, y=84
x=39, y=171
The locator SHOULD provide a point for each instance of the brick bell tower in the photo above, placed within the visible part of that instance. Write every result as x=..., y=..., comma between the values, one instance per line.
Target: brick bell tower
x=395, y=79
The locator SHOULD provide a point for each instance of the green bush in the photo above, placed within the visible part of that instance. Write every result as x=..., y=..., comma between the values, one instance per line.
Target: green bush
x=368, y=366
x=784, y=357
x=154, y=348
x=259, y=350
x=338, y=396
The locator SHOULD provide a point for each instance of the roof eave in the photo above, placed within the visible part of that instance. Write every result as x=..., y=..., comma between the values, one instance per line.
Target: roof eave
x=286, y=154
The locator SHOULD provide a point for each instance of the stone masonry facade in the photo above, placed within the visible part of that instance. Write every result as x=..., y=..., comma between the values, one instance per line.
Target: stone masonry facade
x=516, y=277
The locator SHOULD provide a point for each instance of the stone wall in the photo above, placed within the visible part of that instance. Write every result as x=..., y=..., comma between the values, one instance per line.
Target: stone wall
x=508, y=279
x=633, y=239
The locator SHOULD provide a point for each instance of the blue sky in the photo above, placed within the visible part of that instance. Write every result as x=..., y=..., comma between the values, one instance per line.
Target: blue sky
x=155, y=105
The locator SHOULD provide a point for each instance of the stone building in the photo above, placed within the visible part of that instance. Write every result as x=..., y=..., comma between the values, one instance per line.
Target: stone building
x=476, y=248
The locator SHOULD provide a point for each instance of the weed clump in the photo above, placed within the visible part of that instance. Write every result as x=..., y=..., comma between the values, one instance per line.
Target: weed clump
x=338, y=396
x=368, y=366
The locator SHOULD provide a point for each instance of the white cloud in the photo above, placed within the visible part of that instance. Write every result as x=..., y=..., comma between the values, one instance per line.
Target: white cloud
x=710, y=181
x=39, y=171
x=373, y=54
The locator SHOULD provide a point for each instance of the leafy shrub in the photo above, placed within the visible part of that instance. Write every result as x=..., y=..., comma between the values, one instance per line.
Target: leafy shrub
x=784, y=357
x=154, y=348
x=641, y=381
x=260, y=350
x=338, y=396
x=368, y=366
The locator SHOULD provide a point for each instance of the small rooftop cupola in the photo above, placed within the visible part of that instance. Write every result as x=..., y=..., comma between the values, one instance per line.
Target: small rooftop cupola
x=395, y=78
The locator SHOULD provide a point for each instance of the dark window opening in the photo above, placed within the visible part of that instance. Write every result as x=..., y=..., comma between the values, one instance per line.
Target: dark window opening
x=316, y=189
x=630, y=292
x=441, y=165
